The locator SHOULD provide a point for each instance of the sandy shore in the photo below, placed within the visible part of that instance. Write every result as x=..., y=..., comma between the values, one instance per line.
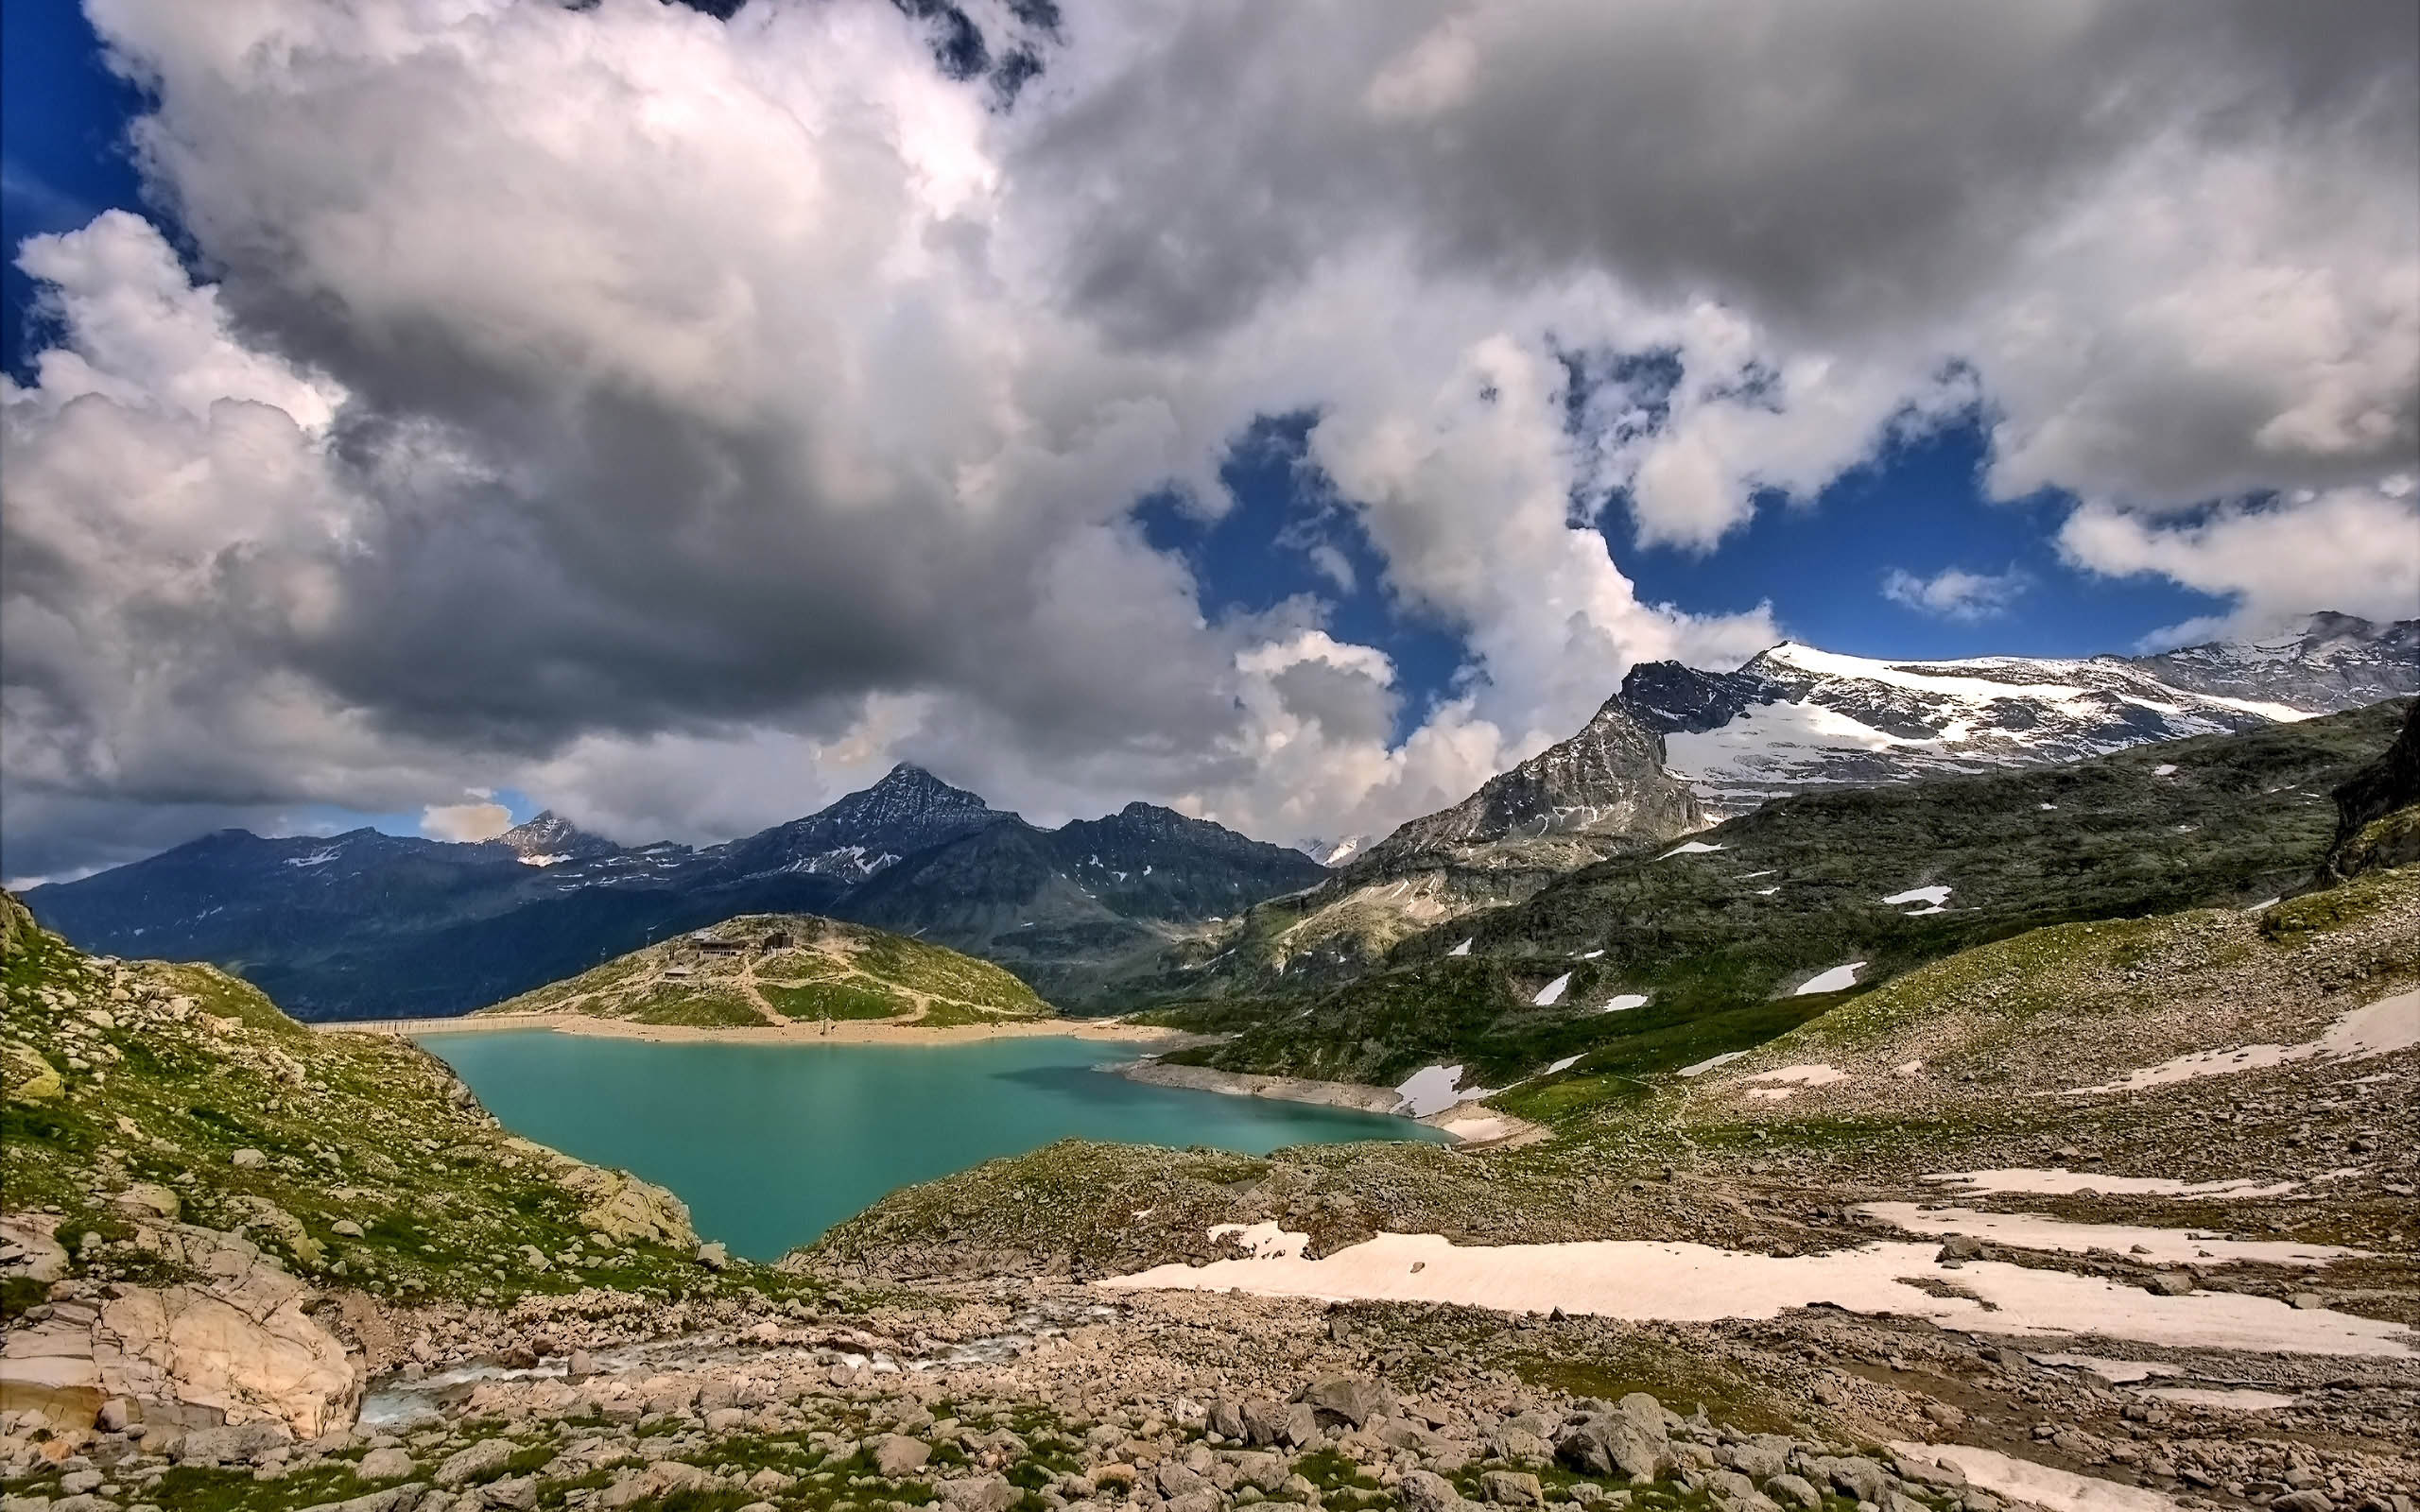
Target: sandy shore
x=845, y=1031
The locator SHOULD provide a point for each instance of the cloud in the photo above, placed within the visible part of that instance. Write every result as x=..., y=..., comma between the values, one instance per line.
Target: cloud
x=476, y=821
x=1955, y=593
x=2353, y=550
x=678, y=420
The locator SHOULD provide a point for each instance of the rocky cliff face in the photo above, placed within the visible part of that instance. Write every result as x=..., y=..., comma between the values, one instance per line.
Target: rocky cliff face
x=2377, y=811
x=1608, y=780
x=1602, y=792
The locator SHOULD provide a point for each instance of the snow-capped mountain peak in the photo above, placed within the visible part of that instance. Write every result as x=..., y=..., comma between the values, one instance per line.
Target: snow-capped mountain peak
x=1796, y=717
x=1333, y=852
x=549, y=835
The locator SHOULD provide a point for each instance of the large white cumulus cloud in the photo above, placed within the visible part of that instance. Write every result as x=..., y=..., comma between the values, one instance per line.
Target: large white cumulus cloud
x=685, y=419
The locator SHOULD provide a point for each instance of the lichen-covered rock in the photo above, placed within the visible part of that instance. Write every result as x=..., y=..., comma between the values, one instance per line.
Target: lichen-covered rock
x=31, y=1078
x=623, y=1208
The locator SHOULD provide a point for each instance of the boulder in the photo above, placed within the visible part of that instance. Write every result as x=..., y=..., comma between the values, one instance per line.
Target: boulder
x=1226, y=1418
x=394, y=1498
x=625, y=1209
x=236, y=1444
x=27, y=1249
x=152, y=1199
x=1730, y=1488
x=1427, y=1491
x=1521, y=1446
x=896, y=1455
x=1263, y=1472
x=482, y=1459
x=979, y=1493
x=1355, y=1400
x=1855, y=1475
x=30, y=1078
x=1175, y=1480
x=1610, y=1444
x=1759, y=1457
x=1512, y=1488
x=1792, y=1491
x=388, y=1464
x=1646, y=1414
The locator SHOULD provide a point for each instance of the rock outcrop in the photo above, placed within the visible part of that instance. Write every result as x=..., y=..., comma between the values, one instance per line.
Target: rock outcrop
x=232, y=1348
x=2377, y=811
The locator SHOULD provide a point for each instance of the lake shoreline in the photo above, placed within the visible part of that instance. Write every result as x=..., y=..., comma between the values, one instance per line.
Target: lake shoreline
x=1471, y=1125
x=843, y=1031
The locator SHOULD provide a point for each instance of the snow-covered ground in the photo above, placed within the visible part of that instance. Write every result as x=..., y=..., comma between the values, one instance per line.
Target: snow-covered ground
x=1552, y=993
x=1710, y=1062
x=1793, y=1077
x=1647, y=1280
x=2059, y=1181
x=1434, y=1088
x=1837, y=979
x=2383, y=1028
x=1691, y=847
x=2158, y=1247
x=2042, y=1486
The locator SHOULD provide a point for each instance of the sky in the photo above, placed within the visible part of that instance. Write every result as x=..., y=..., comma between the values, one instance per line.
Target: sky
x=675, y=415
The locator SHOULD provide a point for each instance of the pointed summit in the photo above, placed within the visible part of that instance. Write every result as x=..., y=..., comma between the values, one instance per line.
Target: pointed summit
x=911, y=785
x=550, y=834
x=1607, y=780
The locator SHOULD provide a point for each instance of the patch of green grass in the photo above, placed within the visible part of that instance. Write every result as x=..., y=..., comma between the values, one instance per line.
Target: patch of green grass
x=702, y=1007
x=846, y=999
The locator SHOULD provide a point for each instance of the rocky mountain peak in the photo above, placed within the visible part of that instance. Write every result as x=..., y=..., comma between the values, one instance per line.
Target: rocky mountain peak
x=550, y=834
x=1609, y=778
x=909, y=785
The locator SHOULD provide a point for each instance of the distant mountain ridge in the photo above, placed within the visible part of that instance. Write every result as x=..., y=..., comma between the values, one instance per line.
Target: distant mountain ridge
x=372, y=925
x=1796, y=718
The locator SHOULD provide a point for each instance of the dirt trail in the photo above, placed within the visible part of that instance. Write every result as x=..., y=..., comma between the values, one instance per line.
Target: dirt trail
x=747, y=980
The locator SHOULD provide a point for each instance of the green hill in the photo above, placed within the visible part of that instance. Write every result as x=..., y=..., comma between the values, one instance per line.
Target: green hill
x=140, y=1095
x=1719, y=935
x=780, y=969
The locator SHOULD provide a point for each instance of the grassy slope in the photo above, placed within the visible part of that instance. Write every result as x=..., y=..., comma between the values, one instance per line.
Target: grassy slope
x=166, y=1070
x=2113, y=995
x=2239, y=819
x=845, y=971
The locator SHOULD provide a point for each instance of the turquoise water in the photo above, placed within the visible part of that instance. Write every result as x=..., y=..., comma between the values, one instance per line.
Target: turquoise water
x=771, y=1145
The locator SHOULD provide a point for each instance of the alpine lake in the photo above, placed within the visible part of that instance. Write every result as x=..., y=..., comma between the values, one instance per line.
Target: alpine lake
x=769, y=1145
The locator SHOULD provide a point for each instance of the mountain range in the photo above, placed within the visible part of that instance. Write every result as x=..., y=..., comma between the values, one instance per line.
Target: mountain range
x=1148, y=905
x=1679, y=748
x=366, y=924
